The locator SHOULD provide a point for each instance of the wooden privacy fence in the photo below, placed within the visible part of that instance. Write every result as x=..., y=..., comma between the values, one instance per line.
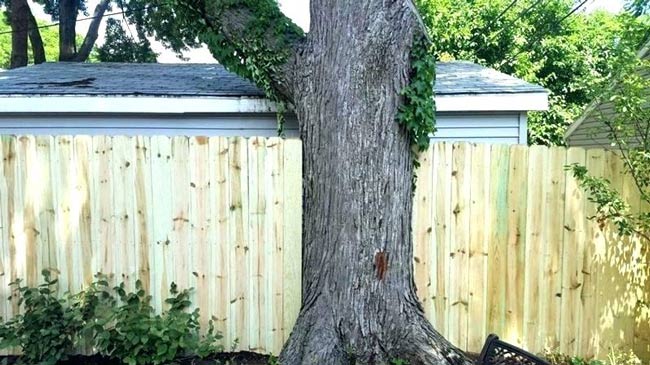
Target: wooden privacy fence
x=503, y=240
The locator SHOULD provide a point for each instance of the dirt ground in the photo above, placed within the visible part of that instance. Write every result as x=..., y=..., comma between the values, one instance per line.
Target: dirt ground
x=229, y=358
x=238, y=358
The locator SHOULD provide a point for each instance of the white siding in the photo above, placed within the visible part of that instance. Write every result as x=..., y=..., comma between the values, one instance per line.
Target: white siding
x=508, y=128
x=263, y=125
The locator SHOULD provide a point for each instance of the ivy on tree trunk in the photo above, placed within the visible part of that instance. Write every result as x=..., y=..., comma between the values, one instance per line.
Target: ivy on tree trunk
x=346, y=80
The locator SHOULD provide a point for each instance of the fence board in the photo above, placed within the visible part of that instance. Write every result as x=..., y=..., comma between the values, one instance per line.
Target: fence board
x=515, y=256
x=503, y=242
x=479, y=243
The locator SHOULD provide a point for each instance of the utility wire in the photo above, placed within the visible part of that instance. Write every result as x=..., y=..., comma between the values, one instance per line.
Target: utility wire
x=76, y=21
x=521, y=15
x=541, y=34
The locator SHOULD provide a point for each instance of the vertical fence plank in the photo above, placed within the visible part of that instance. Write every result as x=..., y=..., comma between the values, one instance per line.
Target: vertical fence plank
x=239, y=314
x=103, y=216
x=30, y=172
x=534, y=244
x=180, y=245
x=254, y=256
x=460, y=227
x=553, y=223
x=497, y=250
x=443, y=161
x=200, y=224
x=83, y=151
x=220, y=296
x=275, y=235
x=479, y=243
x=5, y=265
x=46, y=205
x=292, y=248
x=65, y=231
x=162, y=218
x=423, y=230
x=572, y=255
x=517, y=190
x=143, y=217
x=594, y=248
x=123, y=176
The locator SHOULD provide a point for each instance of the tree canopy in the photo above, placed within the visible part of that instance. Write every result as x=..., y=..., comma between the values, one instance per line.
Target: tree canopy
x=50, y=37
x=121, y=47
x=541, y=42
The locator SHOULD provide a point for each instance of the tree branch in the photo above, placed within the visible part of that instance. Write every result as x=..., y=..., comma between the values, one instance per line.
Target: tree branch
x=91, y=36
x=255, y=40
x=38, y=50
x=19, y=27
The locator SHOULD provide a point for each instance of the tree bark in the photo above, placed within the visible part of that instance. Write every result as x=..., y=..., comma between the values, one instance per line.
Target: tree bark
x=91, y=35
x=67, y=29
x=19, y=33
x=359, y=300
x=359, y=304
x=38, y=50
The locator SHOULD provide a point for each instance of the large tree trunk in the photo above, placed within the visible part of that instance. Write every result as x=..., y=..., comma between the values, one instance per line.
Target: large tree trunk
x=91, y=35
x=38, y=50
x=19, y=31
x=359, y=301
x=67, y=29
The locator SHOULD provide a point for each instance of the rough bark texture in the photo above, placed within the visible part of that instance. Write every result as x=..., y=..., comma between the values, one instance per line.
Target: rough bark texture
x=91, y=35
x=67, y=29
x=38, y=50
x=359, y=300
x=19, y=33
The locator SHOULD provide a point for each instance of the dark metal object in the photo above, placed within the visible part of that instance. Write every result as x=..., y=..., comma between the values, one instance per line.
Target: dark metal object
x=497, y=352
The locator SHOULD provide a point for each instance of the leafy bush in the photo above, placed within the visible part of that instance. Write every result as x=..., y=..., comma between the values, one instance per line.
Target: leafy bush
x=135, y=335
x=614, y=357
x=46, y=330
x=118, y=324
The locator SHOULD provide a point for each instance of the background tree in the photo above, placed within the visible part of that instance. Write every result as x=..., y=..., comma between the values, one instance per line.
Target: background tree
x=50, y=39
x=629, y=132
x=121, y=47
x=63, y=11
x=638, y=7
x=542, y=42
x=364, y=66
x=19, y=15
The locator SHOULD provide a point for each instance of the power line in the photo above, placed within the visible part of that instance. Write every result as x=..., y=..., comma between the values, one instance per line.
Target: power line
x=541, y=35
x=78, y=20
x=521, y=15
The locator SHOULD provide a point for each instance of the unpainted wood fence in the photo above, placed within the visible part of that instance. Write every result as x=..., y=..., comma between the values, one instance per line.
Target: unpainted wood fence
x=503, y=242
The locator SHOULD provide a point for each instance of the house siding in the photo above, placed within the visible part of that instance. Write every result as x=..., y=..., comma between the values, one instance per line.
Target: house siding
x=592, y=132
x=506, y=128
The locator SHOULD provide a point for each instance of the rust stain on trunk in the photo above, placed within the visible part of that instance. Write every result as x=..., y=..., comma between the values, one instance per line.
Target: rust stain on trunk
x=381, y=264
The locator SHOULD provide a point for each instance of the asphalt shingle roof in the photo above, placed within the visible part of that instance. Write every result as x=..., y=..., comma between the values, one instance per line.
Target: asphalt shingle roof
x=210, y=80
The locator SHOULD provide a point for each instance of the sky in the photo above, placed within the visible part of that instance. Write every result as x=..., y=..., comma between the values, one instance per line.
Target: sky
x=298, y=10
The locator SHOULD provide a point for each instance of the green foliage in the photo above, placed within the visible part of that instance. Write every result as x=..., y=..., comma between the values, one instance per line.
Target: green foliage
x=417, y=113
x=533, y=41
x=50, y=42
x=611, y=205
x=45, y=331
x=181, y=25
x=628, y=131
x=117, y=323
x=120, y=47
x=614, y=357
x=134, y=334
x=638, y=7
x=51, y=7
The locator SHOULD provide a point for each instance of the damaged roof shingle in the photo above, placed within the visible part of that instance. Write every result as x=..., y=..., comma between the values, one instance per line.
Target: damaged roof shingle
x=182, y=80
